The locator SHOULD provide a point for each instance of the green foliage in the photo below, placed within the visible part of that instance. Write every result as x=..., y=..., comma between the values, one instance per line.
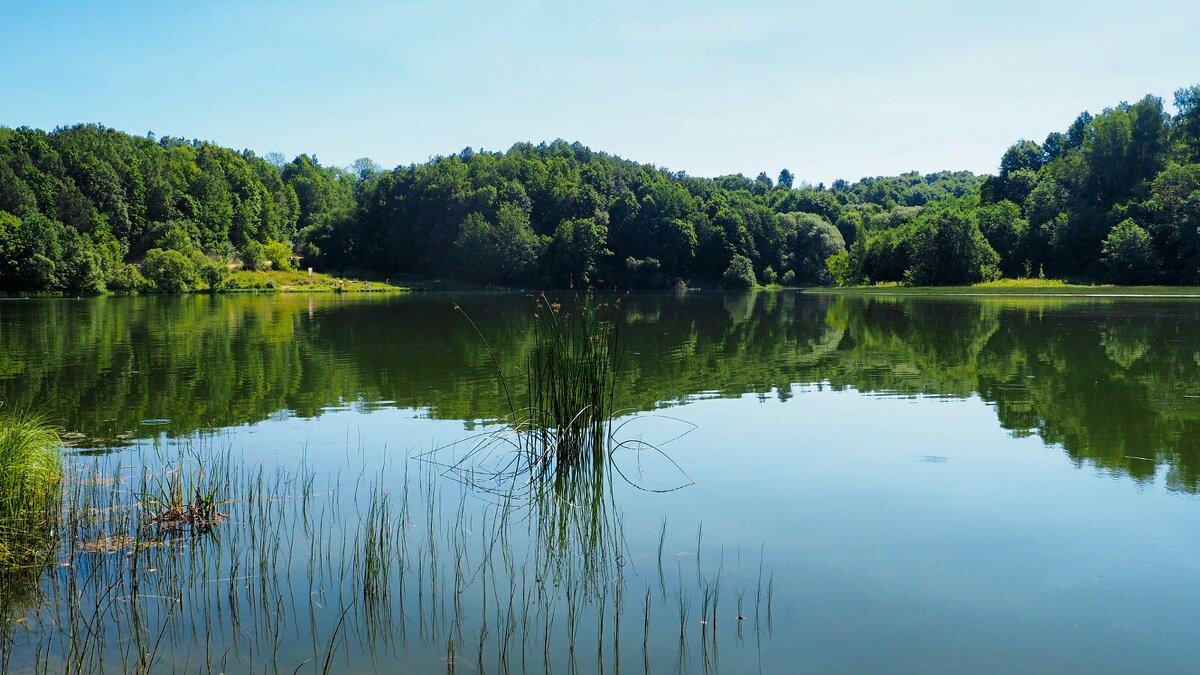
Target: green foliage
x=1173, y=221
x=1127, y=253
x=505, y=252
x=170, y=271
x=1187, y=122
x=128, y=280
x=212, y=274
x=1055, y=207
x=254, y=256
x=643, y=273
x=1006, y=231
x=740, y=273
x=811, y=240
x=300, y=282
x=840, y=269
x=574, y=252
x=1071, y=191
x=90, y=200
x=30, y=479
x=279, y=255
x=37, y=253
x=949, y=249
x=80, y=203
x=940, y=245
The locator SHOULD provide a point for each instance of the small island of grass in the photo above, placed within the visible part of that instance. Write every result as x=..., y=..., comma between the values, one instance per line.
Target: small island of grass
x=1020, y=286
x=300, y=282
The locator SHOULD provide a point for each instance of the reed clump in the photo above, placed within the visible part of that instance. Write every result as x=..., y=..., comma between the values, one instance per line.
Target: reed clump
x=184, y=498
x=564, y=418
x=570, y=378
x=30, y=487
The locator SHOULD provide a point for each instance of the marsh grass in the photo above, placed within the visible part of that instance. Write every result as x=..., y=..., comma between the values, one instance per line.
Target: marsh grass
x=353, y=568
x=30, y=483
x=563, y=418
x=570, y=378
x=551, y=462
x=183, y=497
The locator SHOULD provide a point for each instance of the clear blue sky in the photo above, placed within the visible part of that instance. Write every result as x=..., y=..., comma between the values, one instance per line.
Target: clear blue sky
x=827, y=89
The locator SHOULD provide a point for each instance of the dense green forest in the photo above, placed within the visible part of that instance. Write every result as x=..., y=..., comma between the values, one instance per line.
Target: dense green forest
x=1115, y=197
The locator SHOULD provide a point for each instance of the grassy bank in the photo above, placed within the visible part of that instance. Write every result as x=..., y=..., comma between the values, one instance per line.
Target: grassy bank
x=1047, y=287
x=301, y=282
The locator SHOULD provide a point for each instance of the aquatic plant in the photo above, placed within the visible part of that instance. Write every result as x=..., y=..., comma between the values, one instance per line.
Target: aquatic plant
x=299, y=577
x=183, y=497
x=30, y=481
x=570, y=377
x=309, y=573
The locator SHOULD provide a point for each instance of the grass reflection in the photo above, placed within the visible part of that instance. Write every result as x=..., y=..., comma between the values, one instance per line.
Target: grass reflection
x=359, y=569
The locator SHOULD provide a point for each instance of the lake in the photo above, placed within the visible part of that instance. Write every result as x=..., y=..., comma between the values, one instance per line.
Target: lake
x=797, y=483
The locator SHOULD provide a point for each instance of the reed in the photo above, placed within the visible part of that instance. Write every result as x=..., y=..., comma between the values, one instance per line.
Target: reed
x=564, y=418
x=30, y=486
x=184, y=496
x=570, y=377
x=309, y=574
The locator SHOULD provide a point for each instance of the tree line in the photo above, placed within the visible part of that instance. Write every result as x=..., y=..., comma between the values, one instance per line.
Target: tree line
x=1113, y=198
x=85, y=209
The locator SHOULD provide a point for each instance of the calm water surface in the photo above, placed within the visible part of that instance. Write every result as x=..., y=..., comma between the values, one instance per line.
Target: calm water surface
x=871, y=483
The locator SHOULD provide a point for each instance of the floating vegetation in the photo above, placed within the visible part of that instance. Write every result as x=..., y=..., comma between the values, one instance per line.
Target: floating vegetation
x=181, y=499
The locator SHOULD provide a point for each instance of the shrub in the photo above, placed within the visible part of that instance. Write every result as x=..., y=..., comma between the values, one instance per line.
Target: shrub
x=213, y=273
x=811, y=240
x=128, y=280
x=740, y=273
x=280, y=256
x=169, y=271
x=1128, y=254
x=840, y=269
x=253, y=256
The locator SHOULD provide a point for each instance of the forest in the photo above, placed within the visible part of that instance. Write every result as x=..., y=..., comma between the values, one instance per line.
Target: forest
x=1114, y=198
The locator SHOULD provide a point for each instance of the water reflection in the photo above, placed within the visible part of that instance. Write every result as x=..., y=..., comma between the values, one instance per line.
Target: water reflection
x=388, y=567
x=1114, y=383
